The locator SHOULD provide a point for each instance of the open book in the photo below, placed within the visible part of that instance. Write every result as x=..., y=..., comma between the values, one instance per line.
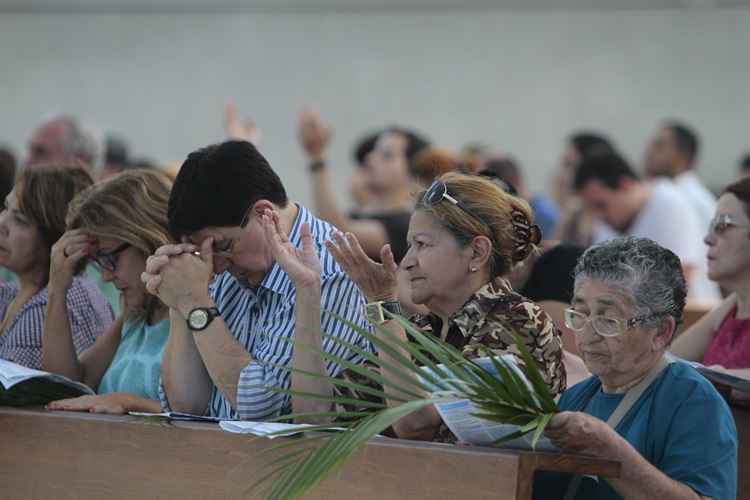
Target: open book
x=458, y=416
x=21, y=386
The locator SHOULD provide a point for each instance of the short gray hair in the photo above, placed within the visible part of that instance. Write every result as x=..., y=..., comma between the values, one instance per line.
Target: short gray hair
x=647, y=272
x=80, y=141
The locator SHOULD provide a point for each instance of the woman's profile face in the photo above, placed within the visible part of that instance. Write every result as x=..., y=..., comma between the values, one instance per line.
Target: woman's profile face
x=21, y=247
x=436, y=264
x=728, y=258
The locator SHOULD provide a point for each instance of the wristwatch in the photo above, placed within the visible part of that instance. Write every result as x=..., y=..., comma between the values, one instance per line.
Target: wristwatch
x=374, y=311
x=317, y=165
x=199, y=318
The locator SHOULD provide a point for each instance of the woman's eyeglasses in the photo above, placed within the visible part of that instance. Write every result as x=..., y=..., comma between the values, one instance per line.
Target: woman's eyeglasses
x=721, y=223
x=108, y=260
x=437, y=192
x=604, y=326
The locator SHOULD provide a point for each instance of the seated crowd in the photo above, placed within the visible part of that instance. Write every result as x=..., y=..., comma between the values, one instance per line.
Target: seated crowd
x=195, y=292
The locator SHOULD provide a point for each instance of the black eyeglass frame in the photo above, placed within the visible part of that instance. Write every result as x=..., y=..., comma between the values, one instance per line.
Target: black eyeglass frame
x=108, y=260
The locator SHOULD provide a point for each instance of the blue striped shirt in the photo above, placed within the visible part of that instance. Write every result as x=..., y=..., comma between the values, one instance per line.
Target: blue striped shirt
x=262, y=321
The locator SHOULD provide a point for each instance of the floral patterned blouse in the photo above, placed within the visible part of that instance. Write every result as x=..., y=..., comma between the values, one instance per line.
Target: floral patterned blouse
x=484, y=326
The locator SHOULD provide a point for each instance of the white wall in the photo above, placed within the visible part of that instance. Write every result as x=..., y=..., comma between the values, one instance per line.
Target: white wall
x=518, y=80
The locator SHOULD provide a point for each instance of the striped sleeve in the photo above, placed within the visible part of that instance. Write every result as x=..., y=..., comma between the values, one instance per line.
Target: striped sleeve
x=255, y=399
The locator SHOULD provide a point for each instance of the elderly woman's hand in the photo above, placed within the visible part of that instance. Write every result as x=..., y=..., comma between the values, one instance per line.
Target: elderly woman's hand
x=72, y=247
x=377, y=281
x=577, y=432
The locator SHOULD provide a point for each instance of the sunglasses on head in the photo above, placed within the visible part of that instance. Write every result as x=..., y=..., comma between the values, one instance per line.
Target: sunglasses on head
x=438, y=191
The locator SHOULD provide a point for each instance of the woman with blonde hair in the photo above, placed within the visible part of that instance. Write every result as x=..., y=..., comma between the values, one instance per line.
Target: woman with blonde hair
x=32, y=220
x=116, y=224
x=465, y=235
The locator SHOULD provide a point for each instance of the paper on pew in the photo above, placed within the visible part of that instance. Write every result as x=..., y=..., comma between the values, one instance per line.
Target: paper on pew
x=261, y=428
x=176, y=415
x=457, y=415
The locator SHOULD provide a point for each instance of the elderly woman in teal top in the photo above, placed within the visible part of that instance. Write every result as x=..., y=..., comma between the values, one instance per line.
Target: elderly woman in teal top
x=116, y=225
x=666, y=425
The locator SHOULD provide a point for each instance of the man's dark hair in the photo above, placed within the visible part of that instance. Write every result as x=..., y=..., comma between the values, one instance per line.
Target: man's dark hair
x=116, y=150
x=685, y=138
x=745, y=163
x=216, y=185
x=415, y=142
x=364, y=147
x=607, y=167
x=505, y=168
x=588, y=142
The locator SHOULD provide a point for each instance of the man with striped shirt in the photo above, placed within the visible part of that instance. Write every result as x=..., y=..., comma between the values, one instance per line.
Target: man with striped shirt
x=226, y=361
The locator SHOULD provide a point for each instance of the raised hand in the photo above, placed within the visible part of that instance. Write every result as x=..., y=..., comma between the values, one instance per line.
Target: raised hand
x=377, y=281
x=314, y=135
x=301, y=264
x=240, y=129
x=67, y=252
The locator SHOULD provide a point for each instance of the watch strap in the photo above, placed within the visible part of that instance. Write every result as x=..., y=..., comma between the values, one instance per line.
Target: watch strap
x=375, y=311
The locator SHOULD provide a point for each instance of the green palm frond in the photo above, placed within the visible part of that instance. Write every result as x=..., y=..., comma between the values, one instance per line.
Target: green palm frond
x=445, y=375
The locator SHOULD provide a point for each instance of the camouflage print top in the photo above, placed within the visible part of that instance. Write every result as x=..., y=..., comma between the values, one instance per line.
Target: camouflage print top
x=485, y=323
x=488, y=318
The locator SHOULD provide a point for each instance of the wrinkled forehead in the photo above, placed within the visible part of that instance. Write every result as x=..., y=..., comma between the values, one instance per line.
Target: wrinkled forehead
x=592, y=292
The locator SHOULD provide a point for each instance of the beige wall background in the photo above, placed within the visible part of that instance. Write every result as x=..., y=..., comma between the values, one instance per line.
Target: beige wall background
x=519, y=80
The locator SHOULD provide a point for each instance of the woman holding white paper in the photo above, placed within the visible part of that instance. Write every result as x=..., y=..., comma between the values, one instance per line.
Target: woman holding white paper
x=465, y=234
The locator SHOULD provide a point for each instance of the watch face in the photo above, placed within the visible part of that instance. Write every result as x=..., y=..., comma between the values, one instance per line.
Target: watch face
x=374, y=313
x=198, y=319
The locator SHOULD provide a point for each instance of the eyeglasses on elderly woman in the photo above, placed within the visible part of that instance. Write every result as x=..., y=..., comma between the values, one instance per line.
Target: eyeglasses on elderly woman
x=438, y=191
x=604, y=326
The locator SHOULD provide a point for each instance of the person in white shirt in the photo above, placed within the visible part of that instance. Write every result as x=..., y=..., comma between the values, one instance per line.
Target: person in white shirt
x=626, y=205
x=672, y=153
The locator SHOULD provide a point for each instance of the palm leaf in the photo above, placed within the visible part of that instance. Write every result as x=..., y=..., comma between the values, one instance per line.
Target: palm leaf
x=444, y=375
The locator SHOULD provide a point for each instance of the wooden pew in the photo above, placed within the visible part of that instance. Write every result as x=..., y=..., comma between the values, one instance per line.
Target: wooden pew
x=741, y=412
x=49, y=455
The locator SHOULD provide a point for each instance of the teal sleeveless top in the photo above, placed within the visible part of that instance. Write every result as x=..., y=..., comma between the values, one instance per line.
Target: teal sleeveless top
x=136, y=367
